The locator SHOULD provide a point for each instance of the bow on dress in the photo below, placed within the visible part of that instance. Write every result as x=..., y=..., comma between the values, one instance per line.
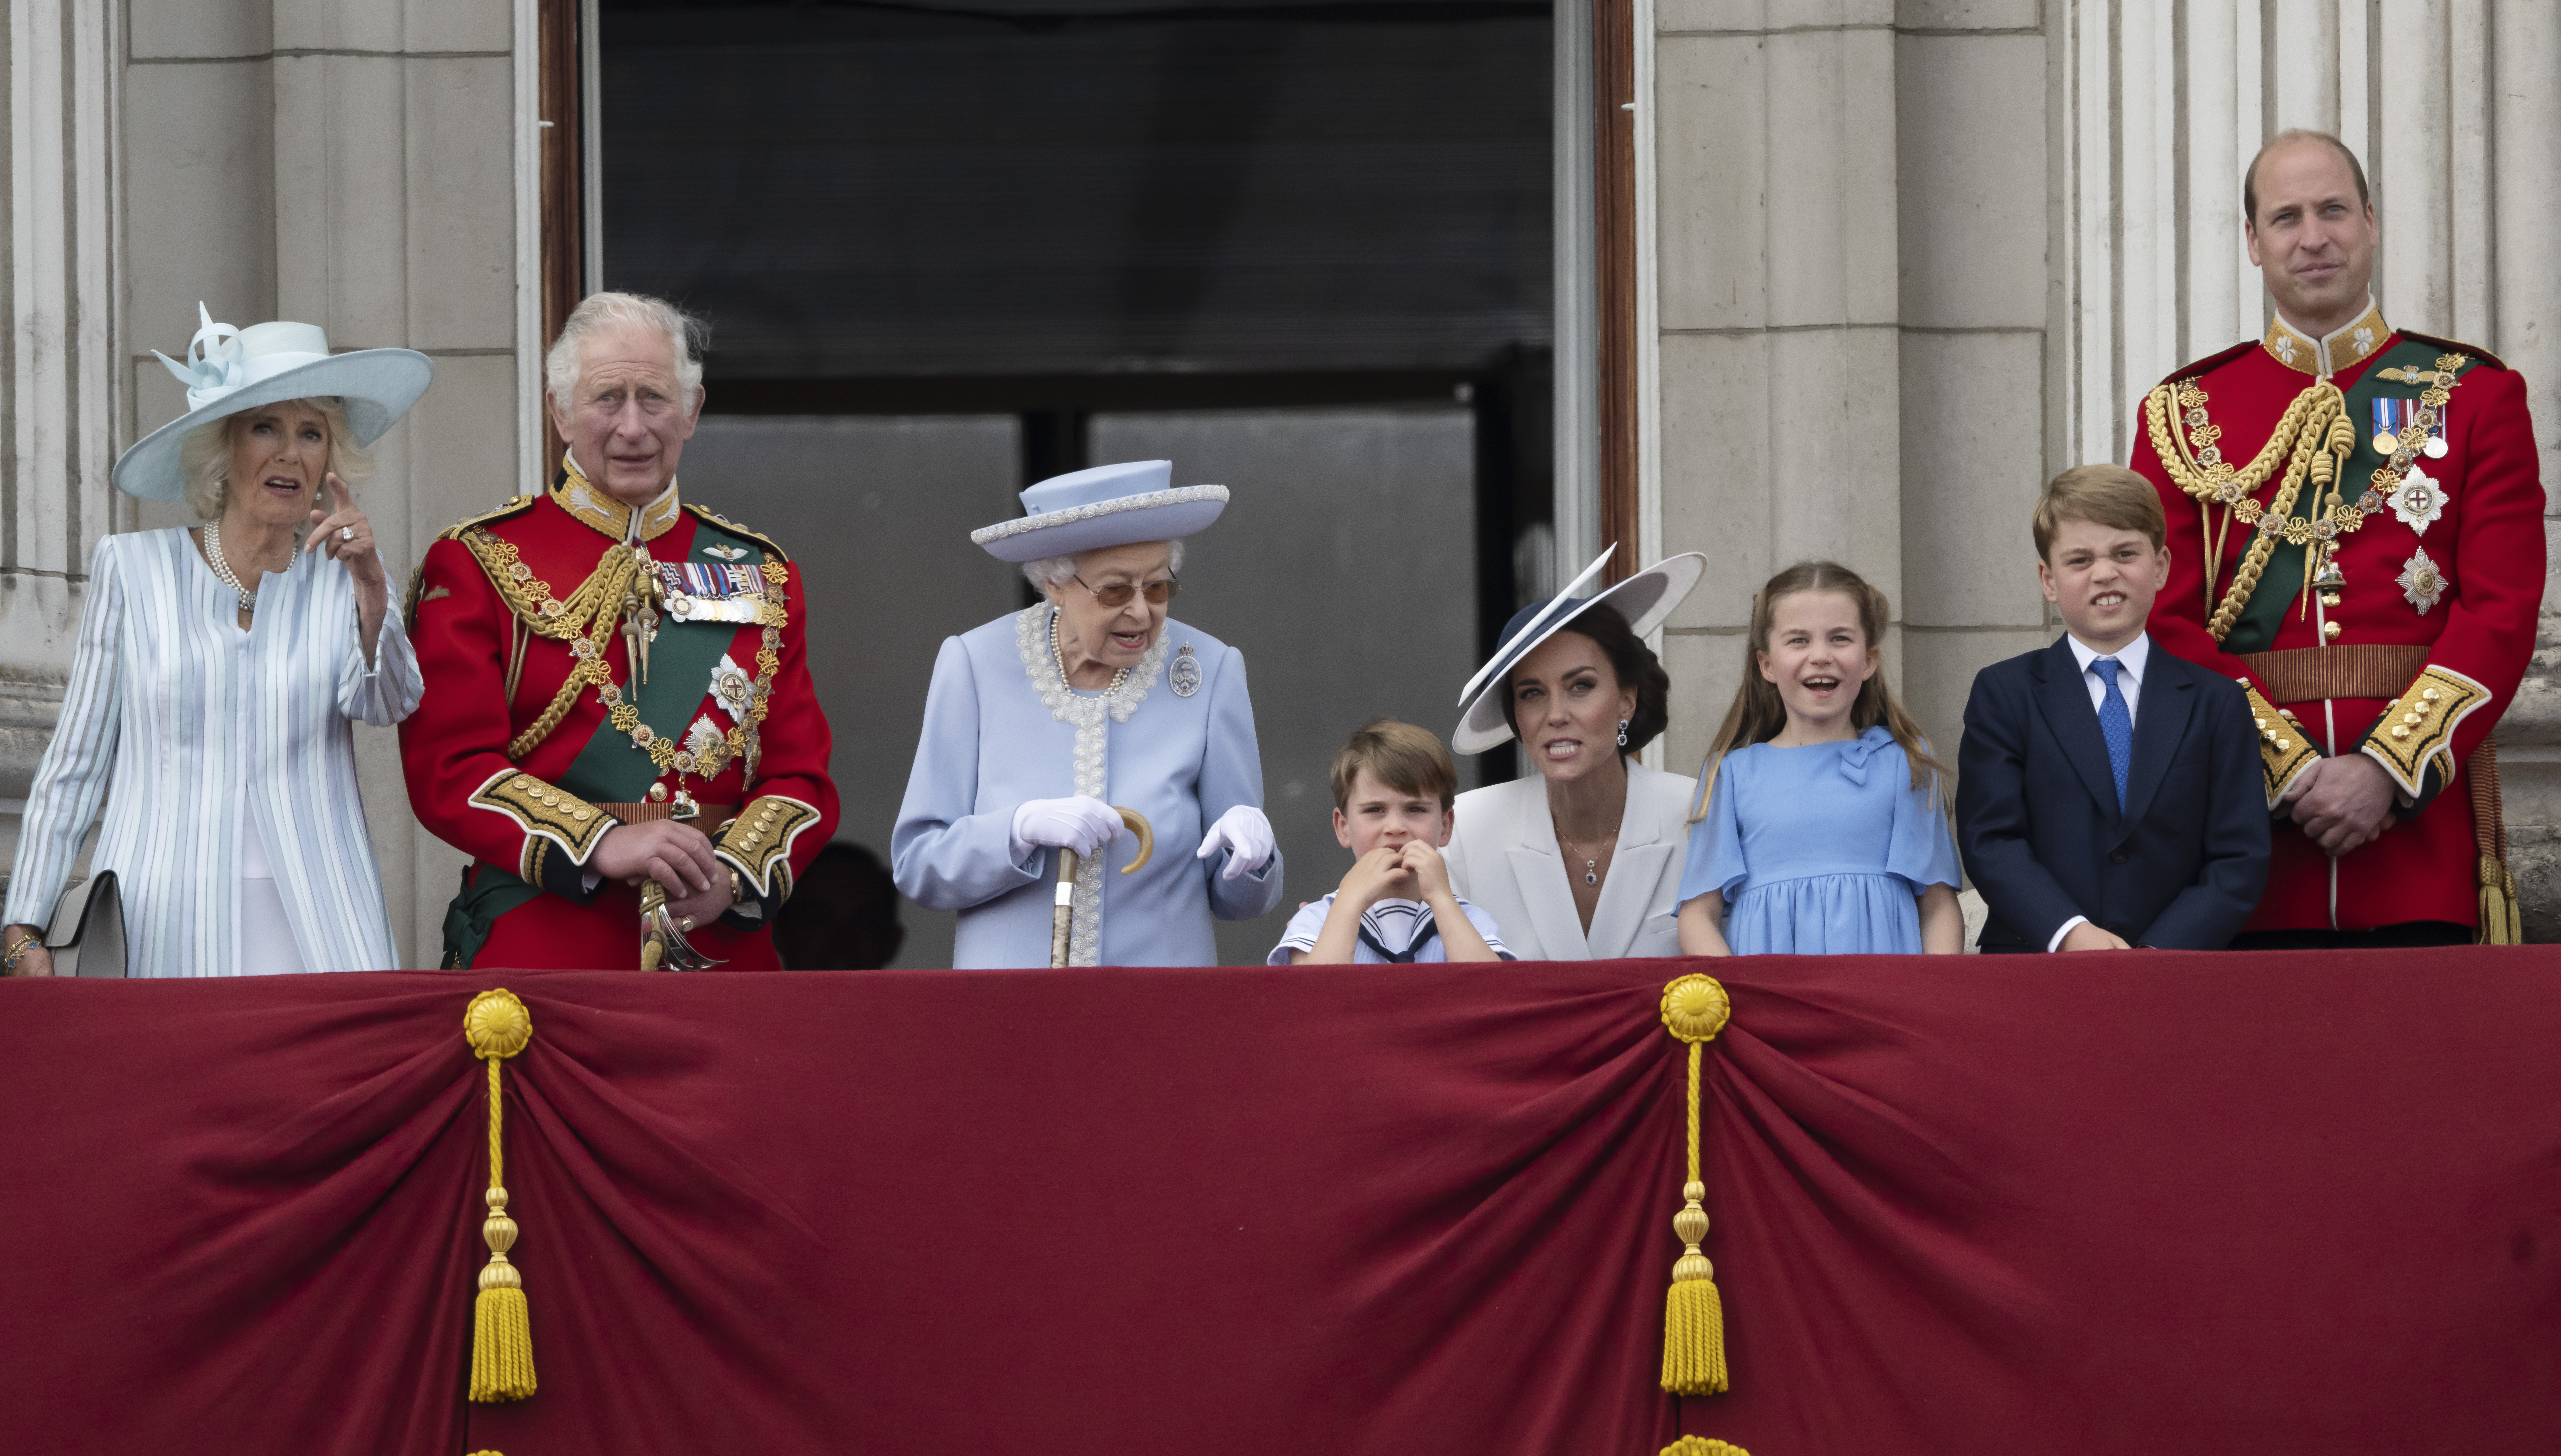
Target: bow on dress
x=1855, y=754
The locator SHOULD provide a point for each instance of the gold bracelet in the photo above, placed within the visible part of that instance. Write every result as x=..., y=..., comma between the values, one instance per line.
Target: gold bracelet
x=10, y=956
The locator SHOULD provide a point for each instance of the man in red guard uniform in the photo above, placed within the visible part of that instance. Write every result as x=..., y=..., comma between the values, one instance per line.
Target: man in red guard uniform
x=619, y=726
x=2355, y=521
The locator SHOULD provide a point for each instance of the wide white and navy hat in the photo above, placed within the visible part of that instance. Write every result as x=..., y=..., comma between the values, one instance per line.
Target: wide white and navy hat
x=1644, y=599
x=228, y=371
x=1109, y=505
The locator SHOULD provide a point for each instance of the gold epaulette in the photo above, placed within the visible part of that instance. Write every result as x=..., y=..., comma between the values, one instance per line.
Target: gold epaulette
x=726, y=524
x=514, y=505
x=548, y=815
x=2285, y=750
x=758, y=842
x=2420, y=726
x=2475, y=352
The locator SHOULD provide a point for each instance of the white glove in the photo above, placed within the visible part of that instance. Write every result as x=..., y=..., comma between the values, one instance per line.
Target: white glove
x=1083, y=823
x=1244, y=831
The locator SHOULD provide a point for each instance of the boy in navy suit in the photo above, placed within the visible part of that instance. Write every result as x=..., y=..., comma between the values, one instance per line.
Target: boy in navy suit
x=2108, y=793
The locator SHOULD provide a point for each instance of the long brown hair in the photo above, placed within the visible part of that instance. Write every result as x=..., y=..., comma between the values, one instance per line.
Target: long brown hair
x=1760, y=715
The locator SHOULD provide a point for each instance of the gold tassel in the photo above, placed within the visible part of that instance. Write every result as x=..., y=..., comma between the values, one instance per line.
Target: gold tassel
x=2499, y=912
x=1694, y=1008
x=1703, y=1446
x=502, y=1339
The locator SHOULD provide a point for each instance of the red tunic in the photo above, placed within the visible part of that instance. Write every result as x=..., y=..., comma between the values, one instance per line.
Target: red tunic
x=2485, y=549
x=533, y=817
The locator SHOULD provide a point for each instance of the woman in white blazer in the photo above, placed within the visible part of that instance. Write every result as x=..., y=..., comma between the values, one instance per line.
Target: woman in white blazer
x=1584, y=861
x=218, y=670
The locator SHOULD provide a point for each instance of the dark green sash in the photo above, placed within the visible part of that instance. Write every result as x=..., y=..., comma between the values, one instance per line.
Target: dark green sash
x=2281, y=586
x=611, y=770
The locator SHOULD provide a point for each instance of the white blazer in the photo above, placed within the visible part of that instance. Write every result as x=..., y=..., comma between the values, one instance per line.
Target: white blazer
x=1503, y=857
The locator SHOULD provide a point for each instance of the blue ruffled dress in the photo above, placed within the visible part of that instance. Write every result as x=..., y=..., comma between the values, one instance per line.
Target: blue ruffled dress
x=1821, y=850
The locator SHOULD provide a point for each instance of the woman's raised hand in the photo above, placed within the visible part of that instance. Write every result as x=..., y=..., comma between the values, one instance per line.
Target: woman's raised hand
x=344, y=533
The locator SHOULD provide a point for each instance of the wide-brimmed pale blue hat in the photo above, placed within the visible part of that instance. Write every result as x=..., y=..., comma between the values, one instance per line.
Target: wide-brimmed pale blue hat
x=229, y=371
x=1109, y=505
x=1644, y=599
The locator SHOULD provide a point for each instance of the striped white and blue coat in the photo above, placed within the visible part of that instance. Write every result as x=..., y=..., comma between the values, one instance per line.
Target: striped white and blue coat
x=182, y=736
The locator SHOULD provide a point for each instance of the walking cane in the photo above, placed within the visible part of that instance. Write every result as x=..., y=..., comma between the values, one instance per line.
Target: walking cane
x=1060, y=917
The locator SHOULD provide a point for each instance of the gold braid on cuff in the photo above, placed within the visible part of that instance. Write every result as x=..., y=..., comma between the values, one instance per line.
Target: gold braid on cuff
x=758, y=842
x=547, y=815
x=2421, y=725
x=2285, y=750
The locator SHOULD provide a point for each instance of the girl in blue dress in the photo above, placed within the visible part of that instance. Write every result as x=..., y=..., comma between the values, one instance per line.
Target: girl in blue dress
x=1822, y=825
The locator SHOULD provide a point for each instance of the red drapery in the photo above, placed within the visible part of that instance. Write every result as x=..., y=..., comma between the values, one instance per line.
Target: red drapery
x=2265, y=1203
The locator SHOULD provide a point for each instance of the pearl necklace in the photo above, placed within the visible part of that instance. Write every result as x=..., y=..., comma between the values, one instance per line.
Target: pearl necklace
x=222, y=568
x=1118, y=678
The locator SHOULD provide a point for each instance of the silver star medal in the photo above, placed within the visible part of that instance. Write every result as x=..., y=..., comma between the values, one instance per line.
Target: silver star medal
x=1185, y=675
x=732, y=688
x=2418, y=501
x=2423, y=581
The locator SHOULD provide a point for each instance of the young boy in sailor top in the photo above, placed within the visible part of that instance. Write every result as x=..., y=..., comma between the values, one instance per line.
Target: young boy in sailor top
x=1393, y=787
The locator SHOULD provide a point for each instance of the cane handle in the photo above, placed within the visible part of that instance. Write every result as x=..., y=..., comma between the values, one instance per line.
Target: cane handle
x=1138, y=823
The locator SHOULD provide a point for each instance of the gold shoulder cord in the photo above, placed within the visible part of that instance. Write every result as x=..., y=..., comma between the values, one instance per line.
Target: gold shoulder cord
x=2314, y=438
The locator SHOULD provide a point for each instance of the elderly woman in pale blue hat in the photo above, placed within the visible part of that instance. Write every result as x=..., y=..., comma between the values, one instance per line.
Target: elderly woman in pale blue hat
x=218, y=672
x=1043, y=725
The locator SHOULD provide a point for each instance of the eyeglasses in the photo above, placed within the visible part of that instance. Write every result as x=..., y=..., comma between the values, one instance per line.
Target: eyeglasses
x=1158, y=592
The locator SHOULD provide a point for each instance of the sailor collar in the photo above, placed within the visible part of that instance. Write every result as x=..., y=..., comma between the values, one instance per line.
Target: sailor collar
x=611, y=517
x=2341, y=350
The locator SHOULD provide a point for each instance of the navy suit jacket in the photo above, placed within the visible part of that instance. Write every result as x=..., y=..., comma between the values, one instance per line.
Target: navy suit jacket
x=2180, y=868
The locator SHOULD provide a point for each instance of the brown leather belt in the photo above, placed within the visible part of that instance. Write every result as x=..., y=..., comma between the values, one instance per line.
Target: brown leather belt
x=712, y=814
x=2382, y=670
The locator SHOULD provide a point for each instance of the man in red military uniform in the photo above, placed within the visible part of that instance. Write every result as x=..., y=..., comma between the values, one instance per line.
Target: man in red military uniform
x=2355, y=518
x=618, y=726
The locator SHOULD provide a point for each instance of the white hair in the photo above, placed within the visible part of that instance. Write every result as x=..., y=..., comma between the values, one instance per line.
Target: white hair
x=1049, y=571
x=205, y=453
x=686, y=336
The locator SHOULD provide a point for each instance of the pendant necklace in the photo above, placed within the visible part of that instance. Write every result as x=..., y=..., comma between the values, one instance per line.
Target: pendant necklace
x=1591, y=867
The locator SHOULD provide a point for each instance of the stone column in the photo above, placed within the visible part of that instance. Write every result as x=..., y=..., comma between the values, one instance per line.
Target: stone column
x=59, y=403
x=1780, y=356
x=1851, y=267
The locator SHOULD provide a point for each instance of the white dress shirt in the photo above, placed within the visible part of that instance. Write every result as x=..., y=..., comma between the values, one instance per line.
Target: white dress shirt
x=2130, y=662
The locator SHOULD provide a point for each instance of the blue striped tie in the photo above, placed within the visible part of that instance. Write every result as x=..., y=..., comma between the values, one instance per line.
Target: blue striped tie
x=2117, y=724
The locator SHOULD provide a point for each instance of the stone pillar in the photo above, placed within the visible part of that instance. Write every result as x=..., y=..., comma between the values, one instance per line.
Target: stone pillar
x=59, y=403
x=1778, y=350
x=349, y=163
x=1852, y=270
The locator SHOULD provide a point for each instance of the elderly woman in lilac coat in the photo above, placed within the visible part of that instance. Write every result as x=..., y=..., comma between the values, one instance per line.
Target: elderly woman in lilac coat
x=1042, y=722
